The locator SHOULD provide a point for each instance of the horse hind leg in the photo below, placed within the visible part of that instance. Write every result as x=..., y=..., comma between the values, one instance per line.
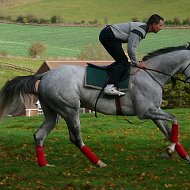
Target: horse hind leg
x=40, y=135
x=73, y=123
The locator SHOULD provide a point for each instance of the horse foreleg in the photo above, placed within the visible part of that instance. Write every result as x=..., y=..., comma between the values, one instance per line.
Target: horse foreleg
x=181, y=152
x=73, y=124
x=173, y=138
x=92, y=157
x=158, y=116
x=75, y=138
x=175, y=142
x=163, y=127
x=166, y=131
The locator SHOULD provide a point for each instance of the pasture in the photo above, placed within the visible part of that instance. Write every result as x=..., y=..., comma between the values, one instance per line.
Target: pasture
x=69, y=42
x=60, y=41
x=135, y=155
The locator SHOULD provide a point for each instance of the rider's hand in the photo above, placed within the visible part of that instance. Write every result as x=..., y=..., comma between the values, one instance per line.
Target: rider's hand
x=141, y=64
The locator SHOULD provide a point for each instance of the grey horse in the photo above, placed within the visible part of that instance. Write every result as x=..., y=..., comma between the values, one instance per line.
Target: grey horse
x=62, y=92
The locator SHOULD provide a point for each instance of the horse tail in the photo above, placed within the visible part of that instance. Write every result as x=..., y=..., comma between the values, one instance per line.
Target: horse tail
x=15, y=93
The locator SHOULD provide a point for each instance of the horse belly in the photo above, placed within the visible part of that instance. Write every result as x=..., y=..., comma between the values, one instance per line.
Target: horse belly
x=109, y=105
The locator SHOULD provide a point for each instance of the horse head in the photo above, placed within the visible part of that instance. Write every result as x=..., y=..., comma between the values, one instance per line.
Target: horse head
x=185, y=69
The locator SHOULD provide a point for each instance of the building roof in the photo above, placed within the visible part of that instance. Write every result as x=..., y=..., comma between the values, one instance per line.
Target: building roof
x=49, y=65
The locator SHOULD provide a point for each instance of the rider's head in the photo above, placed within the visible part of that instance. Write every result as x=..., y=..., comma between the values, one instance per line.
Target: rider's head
x=155, y=23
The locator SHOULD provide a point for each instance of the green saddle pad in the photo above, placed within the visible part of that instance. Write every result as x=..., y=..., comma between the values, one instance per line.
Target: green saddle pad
x=96, y=77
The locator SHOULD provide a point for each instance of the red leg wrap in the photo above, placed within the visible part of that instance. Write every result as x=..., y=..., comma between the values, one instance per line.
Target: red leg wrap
x=40, y=156
x=181, y=151
x=174, y=133
x=89, y=154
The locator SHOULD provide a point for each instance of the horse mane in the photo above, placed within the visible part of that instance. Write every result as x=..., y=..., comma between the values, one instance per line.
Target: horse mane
x=165, y=50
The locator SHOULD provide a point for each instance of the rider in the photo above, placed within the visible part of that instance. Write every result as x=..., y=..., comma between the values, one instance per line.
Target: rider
x=112, y=37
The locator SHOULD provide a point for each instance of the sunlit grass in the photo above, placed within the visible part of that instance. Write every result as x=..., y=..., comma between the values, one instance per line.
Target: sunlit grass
x=135, y=155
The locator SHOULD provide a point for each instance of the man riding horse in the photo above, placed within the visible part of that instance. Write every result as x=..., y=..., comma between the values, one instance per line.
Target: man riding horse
x=112, y=37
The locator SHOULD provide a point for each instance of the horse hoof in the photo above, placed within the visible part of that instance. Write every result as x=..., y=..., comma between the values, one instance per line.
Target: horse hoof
x=101, y=164
x=187, y=159
x=169, y=152
x=50, y=166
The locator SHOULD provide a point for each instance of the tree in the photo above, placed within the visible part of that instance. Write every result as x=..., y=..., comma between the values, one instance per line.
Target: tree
x=37, y=49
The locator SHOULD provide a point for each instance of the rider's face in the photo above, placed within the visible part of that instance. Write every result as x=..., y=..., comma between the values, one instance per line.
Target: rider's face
x=157, y=27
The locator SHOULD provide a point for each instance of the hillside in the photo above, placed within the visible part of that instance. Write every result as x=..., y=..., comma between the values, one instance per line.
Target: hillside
x=110, y=11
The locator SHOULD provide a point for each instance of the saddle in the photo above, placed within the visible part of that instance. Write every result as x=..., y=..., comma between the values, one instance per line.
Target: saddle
x=97, y=76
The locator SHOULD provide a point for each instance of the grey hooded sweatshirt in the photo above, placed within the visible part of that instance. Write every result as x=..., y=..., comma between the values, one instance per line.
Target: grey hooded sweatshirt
x=131, y=33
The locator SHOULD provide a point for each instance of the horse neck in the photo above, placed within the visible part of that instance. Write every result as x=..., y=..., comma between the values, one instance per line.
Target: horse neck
x=168, y=64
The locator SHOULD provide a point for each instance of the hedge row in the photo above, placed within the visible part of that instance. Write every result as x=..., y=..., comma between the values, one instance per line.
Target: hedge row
x=33, y=19
x=57, y=19
x=179, y=96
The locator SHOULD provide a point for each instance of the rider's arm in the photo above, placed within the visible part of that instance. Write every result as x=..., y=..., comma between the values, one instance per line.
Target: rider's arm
x=133, y=42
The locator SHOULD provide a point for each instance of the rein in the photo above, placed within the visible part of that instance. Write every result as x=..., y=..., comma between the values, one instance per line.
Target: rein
x=142, y=67
x=184, y=72
x=173, y=78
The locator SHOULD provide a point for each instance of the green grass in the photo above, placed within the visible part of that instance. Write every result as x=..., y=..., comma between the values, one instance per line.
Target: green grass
x=69, y=42
x=32, y=64
x=9, y=73
x=6, y=74
x=165, y=38
x=114, y=11
x=60, y=41
x=134, y=154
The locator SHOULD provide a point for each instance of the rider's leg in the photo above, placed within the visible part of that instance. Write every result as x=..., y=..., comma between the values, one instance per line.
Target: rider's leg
x=114, y=48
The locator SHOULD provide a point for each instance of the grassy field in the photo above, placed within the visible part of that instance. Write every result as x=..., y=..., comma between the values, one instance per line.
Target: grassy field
x=81, y=10
x=69, y=42
x=9, y=73
x=60, y=41
x=135, y=155
x=6, y=74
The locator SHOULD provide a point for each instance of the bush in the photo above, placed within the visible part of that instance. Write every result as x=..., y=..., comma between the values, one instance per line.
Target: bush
x=37, y=49
x=179, y=96
x=56, y=19
x=177, y=21
x=31, y=18
x=95, y=21
x=9, y=18
x=20, y=19
x=42, y=21
x=186, y=21
x=135, y=19
x=53, y=19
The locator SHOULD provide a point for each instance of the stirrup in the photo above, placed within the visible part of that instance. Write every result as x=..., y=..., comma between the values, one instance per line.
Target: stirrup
x=111, y=90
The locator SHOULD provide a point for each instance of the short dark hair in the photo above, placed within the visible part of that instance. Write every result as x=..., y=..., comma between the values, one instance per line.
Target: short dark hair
x=155, y=18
